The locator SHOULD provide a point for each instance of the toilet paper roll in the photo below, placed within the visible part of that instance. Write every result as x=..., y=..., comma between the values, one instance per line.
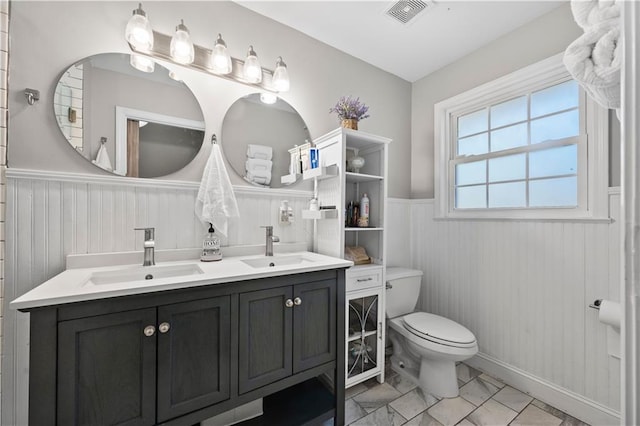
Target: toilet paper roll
x=610, y=313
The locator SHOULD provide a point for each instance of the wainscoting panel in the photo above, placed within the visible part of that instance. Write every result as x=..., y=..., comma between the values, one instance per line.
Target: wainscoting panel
x=52, y=215
x=523, y=288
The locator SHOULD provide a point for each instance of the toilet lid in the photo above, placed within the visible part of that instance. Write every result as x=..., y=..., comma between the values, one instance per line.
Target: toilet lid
x=438, y=329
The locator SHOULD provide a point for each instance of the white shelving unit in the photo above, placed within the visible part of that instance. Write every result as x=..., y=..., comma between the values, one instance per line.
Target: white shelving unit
x=365, y=308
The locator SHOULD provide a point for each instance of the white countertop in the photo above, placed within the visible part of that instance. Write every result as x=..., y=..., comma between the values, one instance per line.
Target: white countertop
x=76, y=285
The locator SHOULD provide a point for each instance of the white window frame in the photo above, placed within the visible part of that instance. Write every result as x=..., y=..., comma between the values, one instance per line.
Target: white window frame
x=593, y=156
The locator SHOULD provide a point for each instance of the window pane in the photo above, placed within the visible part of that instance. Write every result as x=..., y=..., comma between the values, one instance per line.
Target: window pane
x=475, y=122
x=470, y=173
x=509, y=137
x=511, y=167
x=478, y=144
x=557, y=126
x=561, y=192
x=471, y=197
x=553, y=162
x=513, y=194
x=509, y=112
x=556, y=98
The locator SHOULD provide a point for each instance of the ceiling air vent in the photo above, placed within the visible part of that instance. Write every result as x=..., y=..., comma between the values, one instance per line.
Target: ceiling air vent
x=405, y=10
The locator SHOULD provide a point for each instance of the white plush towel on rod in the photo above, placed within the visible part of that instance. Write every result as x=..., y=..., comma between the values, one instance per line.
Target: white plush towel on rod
x=259, y=151
x=595, y=58
x=216, y=201
x=102, y=159
x=255, y=164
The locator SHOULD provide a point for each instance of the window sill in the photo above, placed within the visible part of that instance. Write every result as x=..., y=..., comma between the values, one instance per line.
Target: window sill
x=607, y=220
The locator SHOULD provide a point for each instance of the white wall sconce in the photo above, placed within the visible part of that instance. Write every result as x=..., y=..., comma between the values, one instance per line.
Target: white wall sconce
x=180, y=50
x=181, y=47
x=252, y=69
x=32, y=95
x=138, y=32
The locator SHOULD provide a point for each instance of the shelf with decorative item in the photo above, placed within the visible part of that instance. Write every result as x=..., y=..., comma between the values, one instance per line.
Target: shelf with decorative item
x=361, y=177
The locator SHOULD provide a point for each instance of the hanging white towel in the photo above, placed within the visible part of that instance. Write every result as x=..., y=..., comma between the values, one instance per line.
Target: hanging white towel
x=259, y=151
x=595, y=58
x=102, y=159
x=255, y=164
x=216, y=201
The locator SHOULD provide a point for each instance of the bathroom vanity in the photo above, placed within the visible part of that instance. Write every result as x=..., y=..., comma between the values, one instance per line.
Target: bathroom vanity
x=182, y=349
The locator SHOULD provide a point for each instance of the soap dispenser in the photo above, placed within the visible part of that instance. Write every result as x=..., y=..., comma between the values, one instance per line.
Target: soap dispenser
x=211, y=246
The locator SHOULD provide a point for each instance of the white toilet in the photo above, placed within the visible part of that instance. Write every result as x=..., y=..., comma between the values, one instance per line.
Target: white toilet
x=425, y=346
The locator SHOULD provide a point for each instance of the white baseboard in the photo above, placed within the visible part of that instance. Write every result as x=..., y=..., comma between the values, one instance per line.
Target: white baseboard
x=571, y=403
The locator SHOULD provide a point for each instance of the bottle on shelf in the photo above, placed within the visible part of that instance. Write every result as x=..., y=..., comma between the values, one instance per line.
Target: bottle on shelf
x=363, y=221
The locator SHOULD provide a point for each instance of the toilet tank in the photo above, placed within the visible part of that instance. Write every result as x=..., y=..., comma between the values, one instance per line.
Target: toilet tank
x=403, y=289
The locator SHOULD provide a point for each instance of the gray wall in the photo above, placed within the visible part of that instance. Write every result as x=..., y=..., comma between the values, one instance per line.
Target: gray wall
x=540, y=39
x=74, y=30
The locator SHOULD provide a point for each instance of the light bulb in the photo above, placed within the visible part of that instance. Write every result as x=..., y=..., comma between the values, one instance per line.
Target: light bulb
x=142, y=63
x=281, y=76
x=181, y=48
x=220, y=59
x=268, y=98
x=252, y=69
x=138, y=32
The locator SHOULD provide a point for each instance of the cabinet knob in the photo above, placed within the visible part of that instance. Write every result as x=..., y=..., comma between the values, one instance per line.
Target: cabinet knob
x=288, y=303
x=297, y=301
x=164, y=327
x=149, y=330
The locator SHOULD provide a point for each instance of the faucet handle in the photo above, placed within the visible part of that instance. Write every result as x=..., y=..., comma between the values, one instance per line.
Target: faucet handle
x=149, y=233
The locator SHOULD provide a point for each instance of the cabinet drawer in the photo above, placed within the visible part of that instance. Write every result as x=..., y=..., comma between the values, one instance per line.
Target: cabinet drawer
x=358, y=280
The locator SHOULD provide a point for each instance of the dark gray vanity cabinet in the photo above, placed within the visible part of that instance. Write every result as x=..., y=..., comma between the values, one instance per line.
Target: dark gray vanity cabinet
x=181, y=356
x=107, y=370
x=107, y=364
x=285, y=330
x=194, y=346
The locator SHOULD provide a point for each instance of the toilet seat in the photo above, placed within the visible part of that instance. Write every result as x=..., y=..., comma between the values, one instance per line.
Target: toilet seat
x=439, y=330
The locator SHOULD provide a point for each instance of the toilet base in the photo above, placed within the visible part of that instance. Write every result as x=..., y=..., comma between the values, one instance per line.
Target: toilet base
x=438, y=377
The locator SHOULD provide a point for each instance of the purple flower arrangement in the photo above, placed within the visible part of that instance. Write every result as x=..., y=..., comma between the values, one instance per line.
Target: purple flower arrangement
x=350, y=108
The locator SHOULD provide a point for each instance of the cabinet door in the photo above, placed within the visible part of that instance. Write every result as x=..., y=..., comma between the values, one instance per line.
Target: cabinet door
x=193, y=355
x=264, y=337
x=364, y=335
x=107, y=369
x=314, y=324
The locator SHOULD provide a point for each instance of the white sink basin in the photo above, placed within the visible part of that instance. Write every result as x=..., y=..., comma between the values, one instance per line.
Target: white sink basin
x=273, y=261
x=141, y=273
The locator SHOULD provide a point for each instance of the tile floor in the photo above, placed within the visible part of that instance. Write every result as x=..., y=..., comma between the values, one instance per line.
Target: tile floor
x=483, y=400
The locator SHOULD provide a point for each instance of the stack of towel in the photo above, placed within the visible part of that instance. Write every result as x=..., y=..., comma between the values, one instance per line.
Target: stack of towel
x=595, y=58
x=258, y=164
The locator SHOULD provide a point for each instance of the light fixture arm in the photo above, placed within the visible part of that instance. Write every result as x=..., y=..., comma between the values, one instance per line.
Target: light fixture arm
x=161, y=50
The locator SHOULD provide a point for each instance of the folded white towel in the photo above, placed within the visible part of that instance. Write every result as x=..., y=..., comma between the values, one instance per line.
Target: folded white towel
x=255, y=164
x=260, y=176
x=259, y=151
x=595, y=60
x=216, y=201
x=102, y=159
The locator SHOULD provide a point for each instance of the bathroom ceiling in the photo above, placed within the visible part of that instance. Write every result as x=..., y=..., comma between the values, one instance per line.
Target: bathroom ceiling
x=444, y=32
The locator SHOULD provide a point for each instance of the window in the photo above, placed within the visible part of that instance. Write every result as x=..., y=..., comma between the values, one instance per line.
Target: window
x=528, y=145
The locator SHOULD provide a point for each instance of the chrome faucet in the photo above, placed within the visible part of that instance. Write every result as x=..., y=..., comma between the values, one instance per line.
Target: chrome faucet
x=270, y=240
x=149, y=246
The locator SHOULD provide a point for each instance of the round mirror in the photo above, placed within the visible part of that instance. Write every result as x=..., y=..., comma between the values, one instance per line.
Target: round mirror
x=129, y=122
x=256, y=138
